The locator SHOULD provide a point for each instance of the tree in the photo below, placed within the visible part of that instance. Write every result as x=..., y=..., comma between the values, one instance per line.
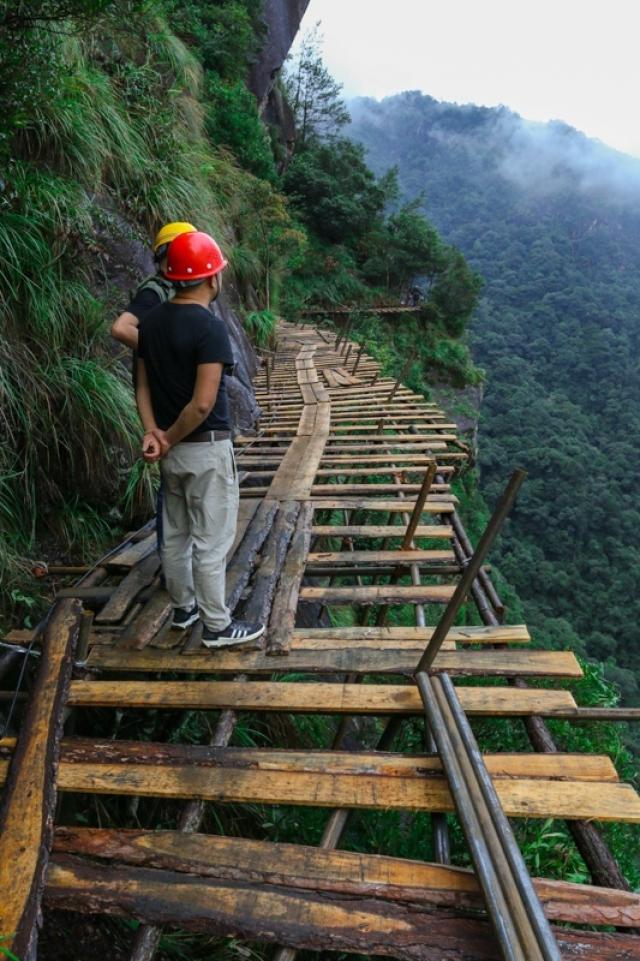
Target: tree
x=313, y=94
x=337, y=194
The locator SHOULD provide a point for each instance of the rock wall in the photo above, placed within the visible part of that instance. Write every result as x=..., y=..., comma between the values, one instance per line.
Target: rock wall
x=282, y=19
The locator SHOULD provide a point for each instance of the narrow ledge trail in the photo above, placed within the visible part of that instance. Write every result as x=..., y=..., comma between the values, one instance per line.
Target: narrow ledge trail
x=343, y=459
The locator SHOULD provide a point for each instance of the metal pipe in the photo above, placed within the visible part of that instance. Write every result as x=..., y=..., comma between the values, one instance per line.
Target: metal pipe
x=485, y=869
x=473, y=566
x=533, y=907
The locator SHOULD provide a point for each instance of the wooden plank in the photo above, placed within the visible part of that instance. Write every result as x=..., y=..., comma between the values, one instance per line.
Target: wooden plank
x=283, y=612
x=240, y=568
x=392, y=505
x=307, y=422
x=134, y=553
x=328, y=779
x=379, y=594
x=300, y=486
x=287, y=471
x=137, y=579
x=345, y=660
x=299, y=919
x=313, y=698
x=246, y=511
x=339, y=559
x=380, y=530
x=399, y=557
x=343, y=872
x=373, y=490
x=143, y=629
x=28, y=802
x=327, y=637
x=270, y=566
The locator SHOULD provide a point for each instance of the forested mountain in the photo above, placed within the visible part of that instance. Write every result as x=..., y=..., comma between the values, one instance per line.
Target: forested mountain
x=551, y=220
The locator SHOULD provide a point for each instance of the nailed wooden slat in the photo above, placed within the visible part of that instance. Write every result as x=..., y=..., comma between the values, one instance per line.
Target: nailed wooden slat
x=324, y=638
x=283, y=611
x=344, y=872
x=360, y=660
x=328, y=779
x=380, y=530
x=380, y=594
x=242, y=563
x=271, y=561
x=134, y=553
x=317, y=698
x=339, y=559
x=137, y=579
x=143, y=629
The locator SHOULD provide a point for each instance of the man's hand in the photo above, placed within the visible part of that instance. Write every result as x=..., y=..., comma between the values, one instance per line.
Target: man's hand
x=163, y=440
x=154, y=446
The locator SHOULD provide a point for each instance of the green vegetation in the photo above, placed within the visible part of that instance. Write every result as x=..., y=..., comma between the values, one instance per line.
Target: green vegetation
x=110, y=133
x=550, y=220
x=129, y=113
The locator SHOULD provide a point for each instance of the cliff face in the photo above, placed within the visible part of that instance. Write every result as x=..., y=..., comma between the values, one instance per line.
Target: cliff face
x=282, y=19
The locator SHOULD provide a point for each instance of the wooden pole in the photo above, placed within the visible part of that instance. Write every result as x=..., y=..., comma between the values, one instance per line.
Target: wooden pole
x=471, y=571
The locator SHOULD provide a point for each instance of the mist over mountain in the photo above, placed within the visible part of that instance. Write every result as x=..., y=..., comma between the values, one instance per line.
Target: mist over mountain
x=551, y=219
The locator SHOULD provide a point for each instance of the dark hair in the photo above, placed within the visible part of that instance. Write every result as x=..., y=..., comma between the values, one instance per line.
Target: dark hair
x=160, y=252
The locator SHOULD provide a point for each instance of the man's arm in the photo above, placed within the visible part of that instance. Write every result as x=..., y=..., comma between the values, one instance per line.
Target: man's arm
x=125, y=329
x=153, y=446
x=205, y=392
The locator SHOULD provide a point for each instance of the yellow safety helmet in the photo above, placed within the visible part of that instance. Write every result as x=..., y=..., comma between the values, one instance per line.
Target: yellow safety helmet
x=170, y=231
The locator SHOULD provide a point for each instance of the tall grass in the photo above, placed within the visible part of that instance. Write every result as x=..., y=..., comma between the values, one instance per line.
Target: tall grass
x=113, y=138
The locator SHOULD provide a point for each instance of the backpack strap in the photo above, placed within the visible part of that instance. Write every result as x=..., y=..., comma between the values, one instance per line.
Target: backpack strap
x=160, y=286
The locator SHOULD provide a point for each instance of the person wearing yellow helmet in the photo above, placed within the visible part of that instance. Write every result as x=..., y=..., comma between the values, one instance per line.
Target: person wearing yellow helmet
x=153, y=291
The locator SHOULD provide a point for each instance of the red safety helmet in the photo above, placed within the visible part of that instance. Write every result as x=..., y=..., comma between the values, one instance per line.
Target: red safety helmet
x=194, y=256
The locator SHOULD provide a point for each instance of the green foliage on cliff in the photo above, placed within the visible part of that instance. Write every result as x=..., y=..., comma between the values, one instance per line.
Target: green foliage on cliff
x=109, y=132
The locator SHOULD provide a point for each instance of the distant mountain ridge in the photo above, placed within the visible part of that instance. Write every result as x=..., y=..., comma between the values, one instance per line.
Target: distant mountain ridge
x=551, y=219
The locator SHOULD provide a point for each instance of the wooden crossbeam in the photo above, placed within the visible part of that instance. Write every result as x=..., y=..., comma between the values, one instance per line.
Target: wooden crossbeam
x=528, y=785
x=358, y=659
x=379, y=594
x=313, y=698
x=299, y=919
x=341, y=872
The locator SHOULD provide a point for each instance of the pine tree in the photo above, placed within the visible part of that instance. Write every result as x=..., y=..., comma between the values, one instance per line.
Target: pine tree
x=315, y=97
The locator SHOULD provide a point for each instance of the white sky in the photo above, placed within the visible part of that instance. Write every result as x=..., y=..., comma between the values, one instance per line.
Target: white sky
x=571, y=60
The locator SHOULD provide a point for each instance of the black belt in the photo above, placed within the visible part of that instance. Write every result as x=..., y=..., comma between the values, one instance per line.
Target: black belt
x=206, y=436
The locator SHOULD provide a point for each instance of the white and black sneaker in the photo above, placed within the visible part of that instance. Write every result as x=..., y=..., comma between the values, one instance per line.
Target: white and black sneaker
x=183, y=618
x=236, y=632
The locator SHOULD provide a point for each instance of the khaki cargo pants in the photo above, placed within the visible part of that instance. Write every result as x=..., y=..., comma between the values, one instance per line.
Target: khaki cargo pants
x=199, y=516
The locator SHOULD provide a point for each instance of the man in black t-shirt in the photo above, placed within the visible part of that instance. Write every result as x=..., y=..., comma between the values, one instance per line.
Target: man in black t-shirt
x=152, y=292
x=183, y=351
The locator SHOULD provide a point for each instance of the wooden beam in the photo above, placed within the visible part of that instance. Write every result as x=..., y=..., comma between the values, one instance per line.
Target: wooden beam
x=296, y=918
x=528, y=785
x=362, y=660
x=340, y=872
x=312, y=698
x=28, y=803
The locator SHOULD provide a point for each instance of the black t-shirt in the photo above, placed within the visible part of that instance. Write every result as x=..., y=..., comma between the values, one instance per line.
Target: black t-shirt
x=173, y=340
x=143, y=301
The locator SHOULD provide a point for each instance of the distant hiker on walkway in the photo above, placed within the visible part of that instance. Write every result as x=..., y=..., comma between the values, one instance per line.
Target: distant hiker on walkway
x=152, y=292
x=183, y=351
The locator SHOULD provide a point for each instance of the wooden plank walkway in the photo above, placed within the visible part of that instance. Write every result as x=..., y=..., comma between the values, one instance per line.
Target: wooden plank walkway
x=329, y=481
